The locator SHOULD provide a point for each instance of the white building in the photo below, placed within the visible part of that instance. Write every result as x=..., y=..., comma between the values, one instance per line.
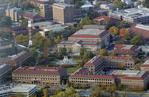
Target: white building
x=132, y=15
x=26, y=89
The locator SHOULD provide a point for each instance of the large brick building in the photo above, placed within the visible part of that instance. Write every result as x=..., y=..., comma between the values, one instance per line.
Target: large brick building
x=83, y=79
x=50, y=76
x=133, y=79
x=90, y=38
x=120, y=61
x=91, y=74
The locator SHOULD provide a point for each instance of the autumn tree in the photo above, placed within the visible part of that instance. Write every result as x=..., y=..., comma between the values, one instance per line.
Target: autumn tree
x=103, y=52
x=114, y=30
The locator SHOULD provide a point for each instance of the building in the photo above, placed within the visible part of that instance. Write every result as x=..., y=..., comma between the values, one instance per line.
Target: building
x=120, y=61
x=32, y=16
x=95, y=65
x=83, y=79
x=141, y=30
x=63, y=13
x=45, y=7
x=124, y=49
x=16, y=60
x=89, y=38
x=145, y=66
x=26, y=89
x=5, y=72
x=132, y=15
x=133, y=79
x=51, y=76
x=13, y=13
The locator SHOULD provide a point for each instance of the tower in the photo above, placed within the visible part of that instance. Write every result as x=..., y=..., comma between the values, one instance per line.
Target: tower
x=30, y=33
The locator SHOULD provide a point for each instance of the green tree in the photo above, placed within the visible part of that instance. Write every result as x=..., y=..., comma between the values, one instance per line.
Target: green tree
x=38, y=41
x=45, y=92
x=20, y=95
x=146, y=3
x=136, y=40
x=85, y=21
x=5, y=21
x=103, y=52
x=22, y=38
x=119, y=4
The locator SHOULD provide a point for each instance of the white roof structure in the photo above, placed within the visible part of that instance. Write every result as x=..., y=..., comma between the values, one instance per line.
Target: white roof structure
x=23, y=88
x=133, y=12
x=89, y=32
x=129, y=73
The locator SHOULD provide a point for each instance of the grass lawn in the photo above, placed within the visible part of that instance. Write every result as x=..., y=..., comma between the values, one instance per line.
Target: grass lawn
x=72, y=69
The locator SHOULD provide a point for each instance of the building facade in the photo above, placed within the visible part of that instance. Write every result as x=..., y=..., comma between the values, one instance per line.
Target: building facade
x=13, y=13
x=51, y=76
x=5, y=72
x=63, y=13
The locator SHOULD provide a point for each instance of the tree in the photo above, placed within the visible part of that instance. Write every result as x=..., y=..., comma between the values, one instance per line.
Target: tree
x=45, y=92
x=20, y=95
x=103, y=52
x=119, y=4
x=62, y=52
x=96, y=91
x=124, y=33
x=38, y=41
x=22, y=38
x=146, y=3
x=114, y=30
x=69, y=92
x=85, y=21
x=136, y=40
x=5, y=21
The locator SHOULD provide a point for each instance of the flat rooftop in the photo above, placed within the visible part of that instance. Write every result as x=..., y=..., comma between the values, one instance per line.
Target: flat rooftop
x=63, y=5
x=89, y=32
x=129, y=73
x=50, y=26
x=23, y=88
x=133, y=12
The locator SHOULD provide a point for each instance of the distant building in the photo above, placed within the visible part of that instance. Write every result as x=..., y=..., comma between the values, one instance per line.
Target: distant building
x=133, y=79
x=51, y=76
x=63, y=13
x=32, y=16
x=26, y=90
x=141, y=30
x=17, y=59
x=145, y=66
x=45, y=8
x=81, y=79
x=90, y=38
x=120, y=61
x=132, y=15
x=124, y=49
x=5, y=72
x=95, y=65
x=13, y=13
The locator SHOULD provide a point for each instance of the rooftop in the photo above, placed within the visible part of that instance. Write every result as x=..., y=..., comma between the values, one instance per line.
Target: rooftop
x=123, y=46
x=133, y=12
x=63, y=5
x=23, y=88
x=128, y=73
x=94, y=61
x=39, y=70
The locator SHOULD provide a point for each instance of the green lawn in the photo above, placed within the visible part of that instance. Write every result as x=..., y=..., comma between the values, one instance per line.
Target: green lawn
x=72, y=69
